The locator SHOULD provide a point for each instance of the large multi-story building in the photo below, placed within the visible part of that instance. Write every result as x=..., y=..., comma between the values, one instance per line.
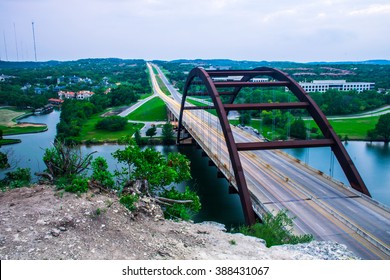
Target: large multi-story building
x=343, y=85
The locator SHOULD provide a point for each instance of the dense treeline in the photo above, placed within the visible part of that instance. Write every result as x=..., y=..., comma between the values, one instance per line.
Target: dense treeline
x=31, y=84
x=332, y=102
x=75, y=112
x=12, y=95
x=371, y=71
x=116, y=70
x=115, y=82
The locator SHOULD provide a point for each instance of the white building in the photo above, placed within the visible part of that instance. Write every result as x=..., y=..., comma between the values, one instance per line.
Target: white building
x=84, y=94
x=238, y=79
x=66, y=94
x=81, y=95
x=342, y=85
x=227, y=79
x=259, y=80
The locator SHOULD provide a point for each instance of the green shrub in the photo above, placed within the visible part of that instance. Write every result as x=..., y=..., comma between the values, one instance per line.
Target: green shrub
x=167, y=133
x=4, y=161
x=62, y=182
x=101, y=174
x=66, y=161
x=128, y=201
x=21, y=177
x=181, y=211
x=78, y=185
x=275, y=230
x=138, y=139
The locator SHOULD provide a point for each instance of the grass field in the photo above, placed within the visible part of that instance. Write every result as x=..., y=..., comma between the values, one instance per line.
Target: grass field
x=22, y=130
x=153, y=110
x=144, y=96
x=10, y=127
x=355, y=129
x=8, y=116
x=162, y=86
x=9, y=141
x=90, y=133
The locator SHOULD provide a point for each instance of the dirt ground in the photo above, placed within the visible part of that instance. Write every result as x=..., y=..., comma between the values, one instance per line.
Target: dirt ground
x=42, y=223
x=29, y=125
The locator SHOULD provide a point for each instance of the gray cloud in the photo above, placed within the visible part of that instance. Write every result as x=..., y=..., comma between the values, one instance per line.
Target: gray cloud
x=169, y=29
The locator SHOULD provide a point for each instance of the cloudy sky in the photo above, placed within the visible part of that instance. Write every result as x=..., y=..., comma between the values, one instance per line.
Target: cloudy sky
x=295, y=30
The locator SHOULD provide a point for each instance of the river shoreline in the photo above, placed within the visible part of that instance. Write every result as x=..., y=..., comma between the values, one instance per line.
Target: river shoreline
x=372, y=158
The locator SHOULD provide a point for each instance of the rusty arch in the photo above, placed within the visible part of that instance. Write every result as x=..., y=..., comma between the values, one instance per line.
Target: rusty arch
x=279, y=79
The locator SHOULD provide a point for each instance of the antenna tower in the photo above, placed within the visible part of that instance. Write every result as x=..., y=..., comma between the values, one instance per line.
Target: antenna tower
x=5, y=46
x=35, y=46
x=16, y=44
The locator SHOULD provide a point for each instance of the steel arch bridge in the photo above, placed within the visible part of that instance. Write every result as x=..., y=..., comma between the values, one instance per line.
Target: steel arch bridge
x=217, y=89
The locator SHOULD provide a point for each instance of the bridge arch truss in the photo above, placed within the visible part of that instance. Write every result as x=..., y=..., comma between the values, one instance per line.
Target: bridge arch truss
x=213, y=80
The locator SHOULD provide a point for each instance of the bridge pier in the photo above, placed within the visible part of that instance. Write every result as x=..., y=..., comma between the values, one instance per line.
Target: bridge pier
x=171, y=116
x=232, y=190
x=220, y=175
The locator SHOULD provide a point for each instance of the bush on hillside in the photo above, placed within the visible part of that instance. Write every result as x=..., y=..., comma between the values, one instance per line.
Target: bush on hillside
x=276, y=230
x=113, y=123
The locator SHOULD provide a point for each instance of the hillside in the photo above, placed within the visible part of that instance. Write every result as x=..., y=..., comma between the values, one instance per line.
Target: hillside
x=40, y=223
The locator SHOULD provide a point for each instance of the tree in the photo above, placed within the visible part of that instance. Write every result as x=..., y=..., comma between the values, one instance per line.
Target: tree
x=245, y=118
x=73, y=116
x=167, y=133
x=4, y=161
x=123, y=95
x=65, y=161
x=101, y=176
x=137, y=137
x=113, y=123
x=151, y=166
x=155, y=173
x=21, y=177
x=382, y=128
x=298, y=129
x=371, y=135
x=1, y=134
x=101, y=101
x=152, y=131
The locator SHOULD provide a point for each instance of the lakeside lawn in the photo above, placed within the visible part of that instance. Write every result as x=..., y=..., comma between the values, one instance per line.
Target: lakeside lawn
x=9, y=126
x=9, y=141
x=8, y=116
x=153, y=110
x=90, y=133
x=355, y=129
x=22, y=129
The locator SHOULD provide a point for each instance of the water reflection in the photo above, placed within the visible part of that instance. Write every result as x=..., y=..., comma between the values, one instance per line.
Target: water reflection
x=371, y=159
